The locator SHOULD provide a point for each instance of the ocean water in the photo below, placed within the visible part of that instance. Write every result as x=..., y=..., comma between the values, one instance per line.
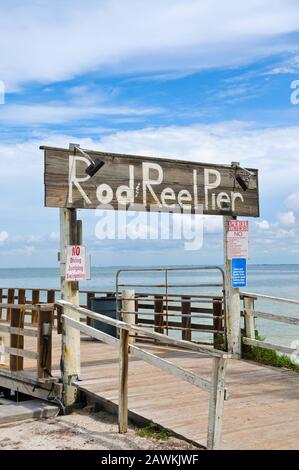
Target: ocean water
x=276, y=280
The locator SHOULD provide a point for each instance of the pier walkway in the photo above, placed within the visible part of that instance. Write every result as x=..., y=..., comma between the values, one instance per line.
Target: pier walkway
x=262, y=411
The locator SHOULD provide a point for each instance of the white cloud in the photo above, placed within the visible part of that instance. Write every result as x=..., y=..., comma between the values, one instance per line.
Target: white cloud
x=263, y=224
x=287, y=218
x=58, y=114
x=3, y=236
x=58, y=40
x=292, y=202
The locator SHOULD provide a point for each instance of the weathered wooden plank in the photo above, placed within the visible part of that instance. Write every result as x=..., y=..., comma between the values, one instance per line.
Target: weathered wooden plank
x=18, y=331
x=92, y=332
x=10, y=300
x=266, y=345
x=186, y=319
x=168, y=184
x=159, y=318
x=162, y=338
x=21, y=353
x=273, y=316
x=171, y=368
x=35, y=301
x=16, y=339
x=216, y=403
x=44, y=343
x=217, y=324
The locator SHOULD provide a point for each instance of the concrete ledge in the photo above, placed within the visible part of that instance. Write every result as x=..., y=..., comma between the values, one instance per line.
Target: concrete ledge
x=10, y=413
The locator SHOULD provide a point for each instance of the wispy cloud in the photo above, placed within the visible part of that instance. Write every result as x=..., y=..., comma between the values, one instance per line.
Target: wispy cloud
x=139, y=36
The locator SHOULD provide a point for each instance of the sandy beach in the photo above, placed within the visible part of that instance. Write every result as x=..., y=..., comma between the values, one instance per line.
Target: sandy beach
x=82, y=430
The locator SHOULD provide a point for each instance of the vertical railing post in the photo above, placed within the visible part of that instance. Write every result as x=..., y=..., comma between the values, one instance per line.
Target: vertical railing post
x=249, y=317
x=44, y=343
x=186, y=318
x=216, y=403
x=70, y=356
x=159, y=317
x=217, y=324
x=17, y=340
x=123, y=381
x=128, y=310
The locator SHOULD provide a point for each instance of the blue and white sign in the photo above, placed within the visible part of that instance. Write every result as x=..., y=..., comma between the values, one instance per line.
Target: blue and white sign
x=239, y=272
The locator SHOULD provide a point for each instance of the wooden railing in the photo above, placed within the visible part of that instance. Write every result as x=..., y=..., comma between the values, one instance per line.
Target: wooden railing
x=215, y=387
x=178, y=314
x=250, y=313
x=39, y=327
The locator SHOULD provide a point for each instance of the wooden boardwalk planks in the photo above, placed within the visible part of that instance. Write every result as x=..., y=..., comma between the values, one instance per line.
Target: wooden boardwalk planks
x=262, y=412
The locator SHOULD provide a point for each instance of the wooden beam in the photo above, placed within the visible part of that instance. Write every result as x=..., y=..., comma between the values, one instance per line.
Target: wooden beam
x=35, y=301
x=44, y=343
x=16, y=340
x=18, y=331
x=216, y=403
x=70, y=358
x=20, y=353
x=249, y=317
x=271, y=346
x=186, y=319
x=128, y=306
x=159, y=317
x=163, y=338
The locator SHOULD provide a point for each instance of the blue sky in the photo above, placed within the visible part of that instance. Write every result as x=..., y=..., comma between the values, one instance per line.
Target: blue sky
x=203, y=81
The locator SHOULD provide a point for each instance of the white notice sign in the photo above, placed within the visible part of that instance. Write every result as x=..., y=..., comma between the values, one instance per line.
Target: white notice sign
x=76, y=263
x=237, y=239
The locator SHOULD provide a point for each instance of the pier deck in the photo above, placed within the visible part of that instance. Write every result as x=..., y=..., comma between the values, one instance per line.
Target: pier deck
x=261, y=413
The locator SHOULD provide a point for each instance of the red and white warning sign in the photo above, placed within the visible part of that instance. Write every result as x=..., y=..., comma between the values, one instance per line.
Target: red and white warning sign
x=237, y=239
x=77, y=263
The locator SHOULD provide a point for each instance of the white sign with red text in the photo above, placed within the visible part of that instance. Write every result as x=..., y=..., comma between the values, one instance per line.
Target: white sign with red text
x=77, y=263
x=237, y=239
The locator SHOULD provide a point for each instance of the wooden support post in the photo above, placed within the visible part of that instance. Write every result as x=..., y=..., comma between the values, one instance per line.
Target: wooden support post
x=232, y=301
x=17, y=341
x=51, y=297
x=159, y=317
x=186, y=319
x=35, y=301
x=217, y=324
x=89, y=297
x=216, y=403
x=70, y=359
x=249, y=317
x=10, y=300
x=123, y=382
x=44, y=343
x=128, y=305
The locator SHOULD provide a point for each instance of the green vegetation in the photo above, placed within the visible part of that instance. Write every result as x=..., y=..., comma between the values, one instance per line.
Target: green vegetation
x=268, y=356
x=154, y=431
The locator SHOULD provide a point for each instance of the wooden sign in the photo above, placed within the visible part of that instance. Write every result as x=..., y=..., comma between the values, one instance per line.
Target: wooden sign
x=145, y=183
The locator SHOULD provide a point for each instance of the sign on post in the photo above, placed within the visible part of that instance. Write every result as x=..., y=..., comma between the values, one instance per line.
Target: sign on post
x=239, y=272
x=237, y=239
x=77, y=263
x=144, y=183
